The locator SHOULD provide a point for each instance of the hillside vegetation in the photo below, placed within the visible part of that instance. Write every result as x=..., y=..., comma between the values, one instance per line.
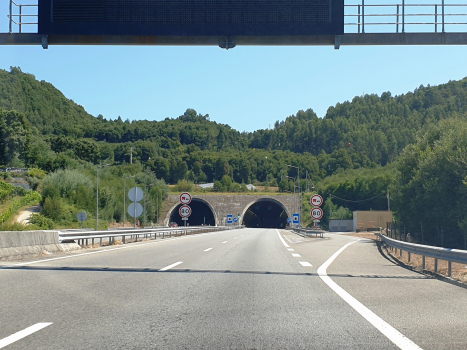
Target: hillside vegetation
x=355, y=153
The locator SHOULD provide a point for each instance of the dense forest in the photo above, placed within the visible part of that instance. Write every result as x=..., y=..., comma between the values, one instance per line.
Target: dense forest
x=358, y=150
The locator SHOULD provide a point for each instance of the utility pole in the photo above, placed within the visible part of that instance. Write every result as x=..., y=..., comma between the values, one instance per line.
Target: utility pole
x=131, y=155
x=330, y=206
x=389, y=204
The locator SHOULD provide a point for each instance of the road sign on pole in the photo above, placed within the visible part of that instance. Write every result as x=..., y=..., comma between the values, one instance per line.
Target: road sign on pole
x=135, y=194
x=185, y=198
x=317, y=213
x=229, y=218
x=296, y=218
x=184, y=211
x=82, y=216
x=316, y=200
x=135, y=209
x=289, y=220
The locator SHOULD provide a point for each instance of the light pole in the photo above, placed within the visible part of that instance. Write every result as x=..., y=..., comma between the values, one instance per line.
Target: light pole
x=124, y=199
x=299, y=191
x=97, y=195
x=145, y=216
x=293, y=179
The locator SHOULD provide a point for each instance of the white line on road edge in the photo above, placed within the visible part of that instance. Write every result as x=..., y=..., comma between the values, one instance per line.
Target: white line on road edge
x=207, y=250
x=170, y=266
x=305, y=264
x=390, y=332
x=282, y=240
x=24, y=333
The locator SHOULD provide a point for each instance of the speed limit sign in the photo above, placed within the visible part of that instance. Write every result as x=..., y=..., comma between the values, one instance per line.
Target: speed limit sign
x=317, y=213
x=184, y=211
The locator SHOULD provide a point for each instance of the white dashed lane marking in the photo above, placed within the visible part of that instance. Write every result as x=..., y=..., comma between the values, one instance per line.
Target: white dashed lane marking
x=296, y=255
x=305, y=264
x=170, y=266
x=207, y=250
x=224, y=242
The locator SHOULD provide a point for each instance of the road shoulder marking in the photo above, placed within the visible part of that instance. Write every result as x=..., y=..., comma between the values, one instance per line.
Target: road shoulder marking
x=385, y=328
x=282, y=239
x=22, y=334
x=170, y=266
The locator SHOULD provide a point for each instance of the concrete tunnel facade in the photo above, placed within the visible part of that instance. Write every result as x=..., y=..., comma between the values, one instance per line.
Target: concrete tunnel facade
x=253, y=208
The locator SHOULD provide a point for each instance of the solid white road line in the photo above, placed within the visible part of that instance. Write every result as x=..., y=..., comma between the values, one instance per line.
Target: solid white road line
x=390, y=332
x=290, y=249
x=24, y=333
x=305, y=264
x=295, y=255
x=282, y=240
x=224, y=242
x=170, y=266
x=207, y=250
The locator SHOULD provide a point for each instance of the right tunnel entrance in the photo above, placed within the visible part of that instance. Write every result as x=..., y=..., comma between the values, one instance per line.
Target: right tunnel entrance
x=265, y=213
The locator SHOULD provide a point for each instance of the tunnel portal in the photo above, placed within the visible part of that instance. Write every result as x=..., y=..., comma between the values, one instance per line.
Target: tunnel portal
x=265, y=213
x=201, y=214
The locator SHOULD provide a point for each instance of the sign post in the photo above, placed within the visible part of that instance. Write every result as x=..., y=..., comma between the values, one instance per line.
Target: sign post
x=82, y=216
x=135, y=194
x=185, y=212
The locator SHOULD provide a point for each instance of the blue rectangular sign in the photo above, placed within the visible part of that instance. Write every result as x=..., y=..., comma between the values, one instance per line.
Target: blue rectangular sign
x=296, y=218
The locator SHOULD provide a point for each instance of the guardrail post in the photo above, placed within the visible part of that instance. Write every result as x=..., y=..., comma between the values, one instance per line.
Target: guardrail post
x=436, y=265
x=450, y=268
x=100, y=241
x=123, y=239
x=410, y=256
x=423, y=262
x=92, y=242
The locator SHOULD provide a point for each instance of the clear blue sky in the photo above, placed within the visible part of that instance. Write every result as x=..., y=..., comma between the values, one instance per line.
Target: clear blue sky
x=248, y=88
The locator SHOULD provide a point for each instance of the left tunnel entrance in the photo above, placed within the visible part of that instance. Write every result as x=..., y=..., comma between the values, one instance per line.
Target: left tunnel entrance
x=201, y=214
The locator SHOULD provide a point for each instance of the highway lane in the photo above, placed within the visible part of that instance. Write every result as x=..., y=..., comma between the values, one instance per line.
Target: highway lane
x=240, y=289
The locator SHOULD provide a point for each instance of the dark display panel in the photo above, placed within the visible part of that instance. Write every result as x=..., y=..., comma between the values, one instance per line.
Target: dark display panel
x=191, y=17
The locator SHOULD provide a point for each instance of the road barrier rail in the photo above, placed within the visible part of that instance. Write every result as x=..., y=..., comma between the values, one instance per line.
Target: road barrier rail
x=309, y=232
x=438, y=253
x=86, y=237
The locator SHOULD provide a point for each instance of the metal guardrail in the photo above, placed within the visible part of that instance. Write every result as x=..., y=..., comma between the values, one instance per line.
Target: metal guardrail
x=447, y=254
x=86, y=237
x=310, y=232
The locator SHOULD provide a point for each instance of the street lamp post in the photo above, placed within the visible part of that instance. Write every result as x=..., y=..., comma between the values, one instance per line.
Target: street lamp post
x=124, y=199
x=145, y=215
x=97, y=195
x=299, y=191
x=294, y=199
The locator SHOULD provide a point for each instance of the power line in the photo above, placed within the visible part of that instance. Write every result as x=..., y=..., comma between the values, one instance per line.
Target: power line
x=359, y=201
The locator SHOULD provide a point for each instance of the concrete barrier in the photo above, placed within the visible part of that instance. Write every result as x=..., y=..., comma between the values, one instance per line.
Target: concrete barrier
x=20, y=243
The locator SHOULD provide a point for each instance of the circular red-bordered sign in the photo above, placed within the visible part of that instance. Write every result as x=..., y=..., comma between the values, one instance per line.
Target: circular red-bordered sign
x=185, y=198
x=316, y=213
x=316, y=200
x=184, y=211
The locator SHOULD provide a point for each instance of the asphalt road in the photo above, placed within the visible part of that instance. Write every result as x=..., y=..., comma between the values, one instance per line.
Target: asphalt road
x=239, y=289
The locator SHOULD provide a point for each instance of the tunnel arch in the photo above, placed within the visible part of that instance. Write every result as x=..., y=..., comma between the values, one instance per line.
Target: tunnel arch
x=265, y=213
x=201, y=213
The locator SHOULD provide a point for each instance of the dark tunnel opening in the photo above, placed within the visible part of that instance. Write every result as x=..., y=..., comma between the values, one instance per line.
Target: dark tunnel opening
x=265, y=214
x=201, y=214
